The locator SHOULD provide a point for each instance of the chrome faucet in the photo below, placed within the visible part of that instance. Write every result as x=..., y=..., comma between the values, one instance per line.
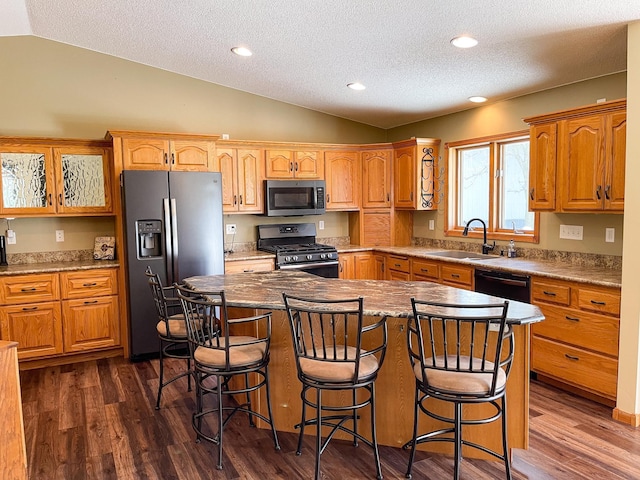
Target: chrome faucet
x=486, y=248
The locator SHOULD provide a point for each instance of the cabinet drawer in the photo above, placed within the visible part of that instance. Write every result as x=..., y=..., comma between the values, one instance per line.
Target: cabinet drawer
x=89, y=283
x=587, y=330
x=599, y=301
x=398, y=263
x=240, y=266
x=425, y=268
x=550, y=293
x=457, y=275
x=575, y=366
x=29, y=288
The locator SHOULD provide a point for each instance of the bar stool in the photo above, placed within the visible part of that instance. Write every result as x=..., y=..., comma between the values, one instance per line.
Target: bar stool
x=460, y=354
x=328, y=339
x=171, y=328
x=219, y=357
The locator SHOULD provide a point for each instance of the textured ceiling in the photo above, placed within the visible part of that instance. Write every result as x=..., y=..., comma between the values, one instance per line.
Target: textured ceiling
x=305, y=52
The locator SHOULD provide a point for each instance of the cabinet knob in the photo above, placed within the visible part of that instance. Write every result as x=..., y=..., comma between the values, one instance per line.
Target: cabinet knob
x=571, y=357
x=59, y=199
x=607, y=189
x=240, y=199
x=92, y=284
x=90, y=302
x=235, y=199
x=291, y=166
x=531, y=193
x=296, y=166
x=328, y=198
x=166, y=159
x=50, y=202
x=598, y=190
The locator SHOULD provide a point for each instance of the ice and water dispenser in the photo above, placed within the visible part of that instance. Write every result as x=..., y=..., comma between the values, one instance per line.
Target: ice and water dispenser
x=149, y=238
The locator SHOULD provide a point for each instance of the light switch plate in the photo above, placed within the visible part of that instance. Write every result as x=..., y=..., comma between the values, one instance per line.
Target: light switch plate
x=432, y=224
x=610, y=235
x=231, y=228
x=321, y=225
x=11, y=237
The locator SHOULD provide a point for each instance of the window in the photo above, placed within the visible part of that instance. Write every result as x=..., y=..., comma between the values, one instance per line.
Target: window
x=489, y=179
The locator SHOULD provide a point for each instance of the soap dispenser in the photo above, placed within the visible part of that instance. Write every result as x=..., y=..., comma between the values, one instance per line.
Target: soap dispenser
x=511, y=251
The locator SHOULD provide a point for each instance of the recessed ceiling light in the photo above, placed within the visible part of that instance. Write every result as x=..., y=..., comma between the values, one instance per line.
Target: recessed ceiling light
x=356, y=86
x=464, y=41
x=242, y=51
x=477, y=99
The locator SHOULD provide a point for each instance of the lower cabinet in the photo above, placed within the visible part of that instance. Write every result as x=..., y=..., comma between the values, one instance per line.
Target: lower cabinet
x=577, y=344
x=59, y=313
x=356, y=265
x=454, y=275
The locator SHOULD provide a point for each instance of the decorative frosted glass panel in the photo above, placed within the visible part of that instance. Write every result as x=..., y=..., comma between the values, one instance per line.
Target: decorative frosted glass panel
x=83, y=181
x=24, y=182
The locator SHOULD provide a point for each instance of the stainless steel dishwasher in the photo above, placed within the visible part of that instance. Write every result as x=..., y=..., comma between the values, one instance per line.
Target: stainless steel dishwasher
x=503, y=284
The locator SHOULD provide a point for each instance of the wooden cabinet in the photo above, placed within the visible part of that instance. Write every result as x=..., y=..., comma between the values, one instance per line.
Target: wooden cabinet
x=577, y=159
x=14, y=453
x=356, y=265
x=55, y=177
x=415, y=164
x=90, y=310
x=242, y=175
x=447, y=273
x=293, y=164
x=54, y=314
x=398, y=267
x=248, y=266
x=425, y=270
x=577, y=344
x=157, y=152
x=342, y=175
x=376, y=178
x=378, y=262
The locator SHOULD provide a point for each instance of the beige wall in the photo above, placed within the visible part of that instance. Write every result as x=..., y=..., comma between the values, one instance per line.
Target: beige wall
x=629, y=357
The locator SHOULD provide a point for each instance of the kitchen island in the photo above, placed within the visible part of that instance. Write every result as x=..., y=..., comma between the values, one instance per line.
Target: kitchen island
x=250, y=293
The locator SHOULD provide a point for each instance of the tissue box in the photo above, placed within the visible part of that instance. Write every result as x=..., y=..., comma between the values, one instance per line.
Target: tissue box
x=104, y=248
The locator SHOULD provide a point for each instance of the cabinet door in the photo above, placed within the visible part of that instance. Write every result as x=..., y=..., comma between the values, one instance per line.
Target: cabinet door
x=363, y=266
x=308, y=165
x=542, y=168
x=378, y=267
x=227, y=163
x=90, y=323
x=615, y=161
x=404, y=178
x=83, y=180
x=36, y=327
x=376, y=179
x=279, y=164
x=191, y=155
x=346, y=266
x=250, y=176
x=581, y=161
x=145, y=154
x=342, y=172
x=28, y=185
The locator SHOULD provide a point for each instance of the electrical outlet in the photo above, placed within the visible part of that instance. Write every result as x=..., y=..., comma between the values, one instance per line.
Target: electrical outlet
x=11, y=237
x=321, y=225
x=571, y=232
x=610, y=235
x=59, y=235
x=432, y=224
x=231, y=228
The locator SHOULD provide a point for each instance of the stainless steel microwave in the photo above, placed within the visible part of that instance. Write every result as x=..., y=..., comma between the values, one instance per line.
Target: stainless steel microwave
x=294, y=197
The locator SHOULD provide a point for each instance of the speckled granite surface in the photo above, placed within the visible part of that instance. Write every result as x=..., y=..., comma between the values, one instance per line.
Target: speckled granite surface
x=50, y=262
x=381, y=297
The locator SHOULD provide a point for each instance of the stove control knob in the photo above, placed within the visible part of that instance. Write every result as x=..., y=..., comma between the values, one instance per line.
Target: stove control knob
x=309, y=257
x=329, y=255
x=287, y=259
x=323, y=256
x=295, y=258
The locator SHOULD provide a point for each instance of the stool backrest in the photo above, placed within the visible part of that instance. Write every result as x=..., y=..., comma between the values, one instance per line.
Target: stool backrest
x=472, y=339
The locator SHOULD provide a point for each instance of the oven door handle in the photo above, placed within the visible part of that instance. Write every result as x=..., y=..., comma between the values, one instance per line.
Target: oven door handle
x=298, y=266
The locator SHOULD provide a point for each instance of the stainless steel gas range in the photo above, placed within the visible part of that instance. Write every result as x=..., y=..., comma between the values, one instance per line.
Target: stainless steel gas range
x=295, y=247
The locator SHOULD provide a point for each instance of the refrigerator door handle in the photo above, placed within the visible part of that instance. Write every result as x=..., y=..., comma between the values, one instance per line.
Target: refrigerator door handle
x=168, y=248
x=174, y=240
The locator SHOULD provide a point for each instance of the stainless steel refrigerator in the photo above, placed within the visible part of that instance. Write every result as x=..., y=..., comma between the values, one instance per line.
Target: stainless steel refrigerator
x=173, y=224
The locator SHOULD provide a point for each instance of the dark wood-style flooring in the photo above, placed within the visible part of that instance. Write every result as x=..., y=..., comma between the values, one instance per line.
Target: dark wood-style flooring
x=96, y=420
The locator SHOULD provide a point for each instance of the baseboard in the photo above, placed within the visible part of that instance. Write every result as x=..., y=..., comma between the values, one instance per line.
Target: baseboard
x=632, y=419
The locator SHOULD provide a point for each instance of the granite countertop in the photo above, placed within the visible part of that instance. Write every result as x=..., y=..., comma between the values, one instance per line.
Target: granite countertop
x=556, y=269
x=52, y=267
x=263, y=290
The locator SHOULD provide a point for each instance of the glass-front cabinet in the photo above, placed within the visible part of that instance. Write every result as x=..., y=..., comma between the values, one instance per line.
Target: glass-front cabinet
x=44, y=180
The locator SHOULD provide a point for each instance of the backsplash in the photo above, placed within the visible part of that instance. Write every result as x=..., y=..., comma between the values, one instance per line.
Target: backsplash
x=575, y=258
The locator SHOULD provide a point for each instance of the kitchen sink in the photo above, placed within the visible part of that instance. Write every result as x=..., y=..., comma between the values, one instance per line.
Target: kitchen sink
x=462, y=255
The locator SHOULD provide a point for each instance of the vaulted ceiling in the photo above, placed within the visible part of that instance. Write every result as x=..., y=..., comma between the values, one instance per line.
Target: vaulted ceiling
x=306, y=52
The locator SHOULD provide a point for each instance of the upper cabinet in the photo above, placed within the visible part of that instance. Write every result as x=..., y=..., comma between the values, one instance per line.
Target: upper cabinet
x=284, y=164
x=376, y=178
x=164, y=151
x=342, y=172
x=49, y=177
x=242, y=177
x=415, y=163
x=578, y=159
